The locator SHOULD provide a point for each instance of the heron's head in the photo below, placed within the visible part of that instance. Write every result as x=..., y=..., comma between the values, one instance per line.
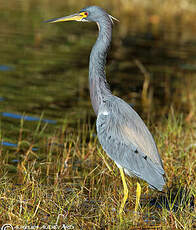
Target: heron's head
x=88, y=14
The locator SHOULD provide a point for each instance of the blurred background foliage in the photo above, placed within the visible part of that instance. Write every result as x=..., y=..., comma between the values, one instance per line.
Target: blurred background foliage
x=44, y=67
x=151, y=61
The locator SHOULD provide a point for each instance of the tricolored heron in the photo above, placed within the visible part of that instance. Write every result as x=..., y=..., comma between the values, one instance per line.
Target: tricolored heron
x=121, y=132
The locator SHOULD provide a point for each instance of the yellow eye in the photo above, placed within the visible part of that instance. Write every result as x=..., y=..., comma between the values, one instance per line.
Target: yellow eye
x=84, y=14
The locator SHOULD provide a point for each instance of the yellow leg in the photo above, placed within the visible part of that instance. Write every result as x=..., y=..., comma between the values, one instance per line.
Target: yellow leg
x=138, y=194
x=125, y=193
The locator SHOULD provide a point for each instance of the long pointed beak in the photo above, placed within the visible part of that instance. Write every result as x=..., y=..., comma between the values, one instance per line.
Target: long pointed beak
x=73, y=17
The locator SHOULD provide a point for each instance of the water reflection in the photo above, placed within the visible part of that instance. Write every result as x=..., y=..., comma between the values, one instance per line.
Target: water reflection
x=5, y=68
x=50, y=65
x=27, y=118
x=9, y=144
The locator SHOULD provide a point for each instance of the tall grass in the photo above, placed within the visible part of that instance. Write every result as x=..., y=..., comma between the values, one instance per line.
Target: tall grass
x=71, y=182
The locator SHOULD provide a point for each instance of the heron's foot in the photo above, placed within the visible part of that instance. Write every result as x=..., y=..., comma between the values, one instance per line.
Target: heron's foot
x=125, y=194
x=138, y=195
x=123, y=204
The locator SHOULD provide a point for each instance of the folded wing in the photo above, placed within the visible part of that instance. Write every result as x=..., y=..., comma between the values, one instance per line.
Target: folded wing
x=127, y=141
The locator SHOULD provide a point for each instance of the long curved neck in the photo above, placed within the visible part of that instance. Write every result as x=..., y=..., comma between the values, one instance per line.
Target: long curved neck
x=97, y=80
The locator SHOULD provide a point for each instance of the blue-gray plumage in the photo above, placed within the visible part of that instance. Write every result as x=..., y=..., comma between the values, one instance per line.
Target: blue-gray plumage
x=121, y=132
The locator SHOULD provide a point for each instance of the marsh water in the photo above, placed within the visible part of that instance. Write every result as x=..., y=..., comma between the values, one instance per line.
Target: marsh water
x=44, y=67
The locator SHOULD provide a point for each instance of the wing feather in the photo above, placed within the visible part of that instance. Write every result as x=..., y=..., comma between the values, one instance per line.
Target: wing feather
x=127, y=141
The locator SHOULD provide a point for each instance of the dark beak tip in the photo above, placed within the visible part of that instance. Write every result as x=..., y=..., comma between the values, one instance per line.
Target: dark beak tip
x=48, y=21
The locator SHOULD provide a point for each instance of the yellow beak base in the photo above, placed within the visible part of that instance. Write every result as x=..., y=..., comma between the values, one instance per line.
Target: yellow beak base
x=73, y=17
